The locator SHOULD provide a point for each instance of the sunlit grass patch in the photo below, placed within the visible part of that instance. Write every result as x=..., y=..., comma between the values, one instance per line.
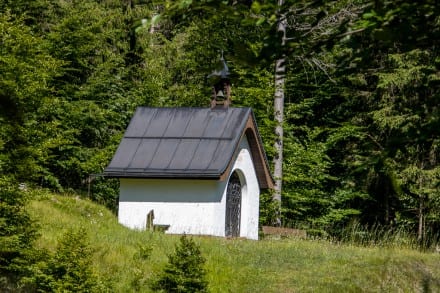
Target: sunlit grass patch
x=129, y=260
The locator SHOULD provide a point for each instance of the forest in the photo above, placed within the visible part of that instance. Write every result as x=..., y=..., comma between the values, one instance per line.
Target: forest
x=345, y=94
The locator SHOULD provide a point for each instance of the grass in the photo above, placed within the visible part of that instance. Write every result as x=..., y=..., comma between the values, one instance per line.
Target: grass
x=128, y=260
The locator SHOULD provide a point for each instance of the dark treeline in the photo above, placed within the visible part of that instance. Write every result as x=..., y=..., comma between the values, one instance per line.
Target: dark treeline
x=361, y=106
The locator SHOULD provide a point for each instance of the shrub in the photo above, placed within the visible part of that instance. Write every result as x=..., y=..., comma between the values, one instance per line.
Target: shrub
x=184, y=271
x=70, y=268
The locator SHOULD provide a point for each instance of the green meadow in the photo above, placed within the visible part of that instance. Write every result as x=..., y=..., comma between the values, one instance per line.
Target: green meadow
x=128, y=261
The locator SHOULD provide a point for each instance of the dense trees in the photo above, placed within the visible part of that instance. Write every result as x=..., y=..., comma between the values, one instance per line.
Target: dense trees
x=27, y=70
x=360, y=95
x=394, y=60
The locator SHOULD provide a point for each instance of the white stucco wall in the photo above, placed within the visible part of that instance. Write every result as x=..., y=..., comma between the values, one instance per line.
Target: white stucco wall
x=250, y=201
x=191, y=206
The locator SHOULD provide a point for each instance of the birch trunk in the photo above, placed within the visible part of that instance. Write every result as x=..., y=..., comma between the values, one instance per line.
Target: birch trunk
x=420, y=230
x=280, y=72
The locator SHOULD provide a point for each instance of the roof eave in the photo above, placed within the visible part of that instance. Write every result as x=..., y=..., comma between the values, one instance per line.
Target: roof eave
x=164, y=175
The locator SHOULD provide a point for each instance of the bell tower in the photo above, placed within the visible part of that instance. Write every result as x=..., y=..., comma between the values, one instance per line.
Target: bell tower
x=221, y=86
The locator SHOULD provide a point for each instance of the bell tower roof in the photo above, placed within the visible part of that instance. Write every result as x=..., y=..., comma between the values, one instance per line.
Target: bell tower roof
x=221, y=86
x=221, y=71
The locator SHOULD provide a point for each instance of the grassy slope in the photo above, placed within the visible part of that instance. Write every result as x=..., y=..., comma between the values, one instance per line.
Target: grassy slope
x=238, y=265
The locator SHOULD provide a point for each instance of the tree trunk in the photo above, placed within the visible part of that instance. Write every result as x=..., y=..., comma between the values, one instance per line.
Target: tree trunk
x=280, y=71
x=131, y=54
x=420, y=232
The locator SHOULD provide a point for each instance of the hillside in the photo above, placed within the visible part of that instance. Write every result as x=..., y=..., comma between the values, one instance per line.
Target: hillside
x=358, y=95
x=236, y=265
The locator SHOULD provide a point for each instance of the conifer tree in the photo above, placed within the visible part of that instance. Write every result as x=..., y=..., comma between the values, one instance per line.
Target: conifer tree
x=184, y=271
x=17, y=234
x=70, y=268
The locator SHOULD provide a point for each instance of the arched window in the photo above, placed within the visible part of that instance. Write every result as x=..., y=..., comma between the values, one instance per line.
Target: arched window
x=233, y=206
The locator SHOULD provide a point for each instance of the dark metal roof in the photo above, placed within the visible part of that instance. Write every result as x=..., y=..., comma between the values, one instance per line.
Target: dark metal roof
x=179, y=143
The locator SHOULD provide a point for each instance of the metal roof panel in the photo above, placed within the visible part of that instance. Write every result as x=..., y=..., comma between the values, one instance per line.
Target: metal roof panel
x=125, y=152
x=203, y=154
x=164, y=154
x=218, y=161
x=140, y=121
x=159, y=123
x=196, y=126
x=184, y=154
x=217, y=124
x=178, y=123
x=144, y=153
